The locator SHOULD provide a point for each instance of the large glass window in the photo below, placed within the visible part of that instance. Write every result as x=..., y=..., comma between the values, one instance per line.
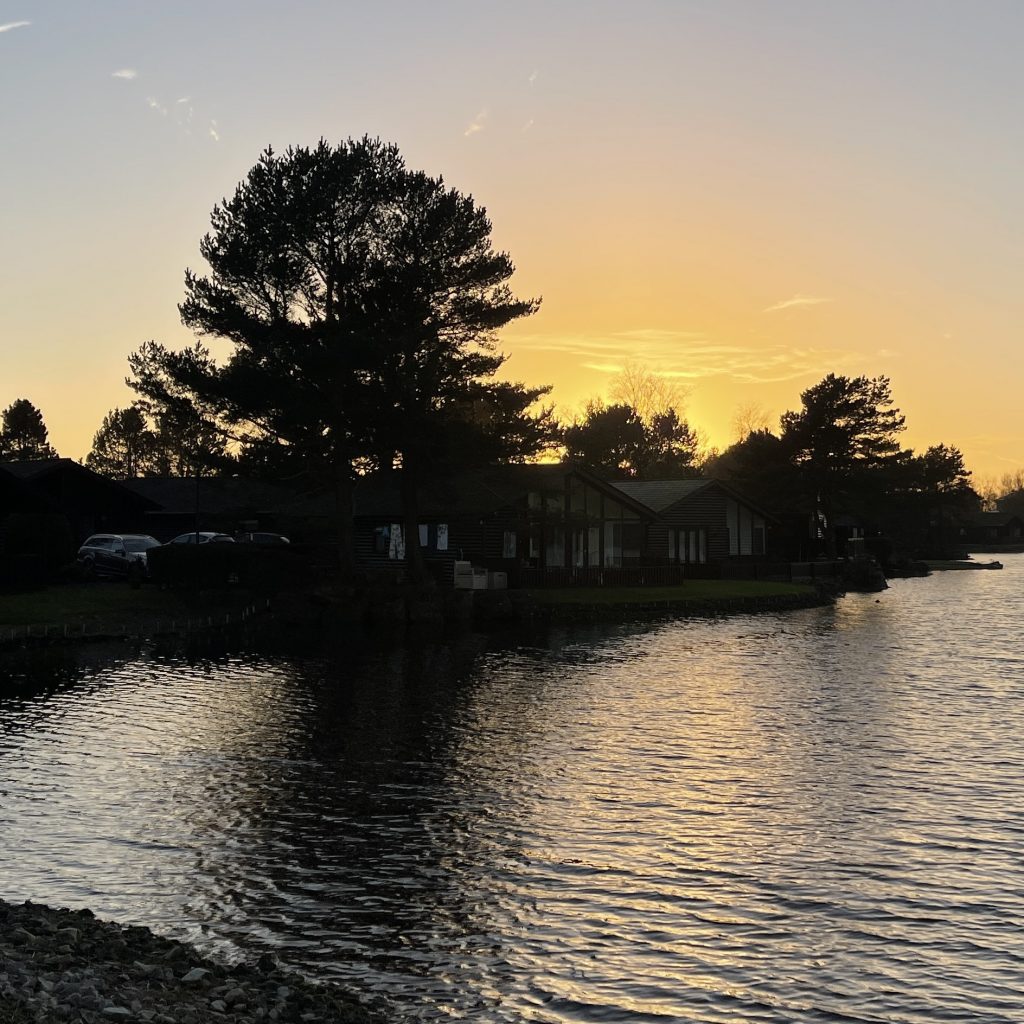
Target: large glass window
x=577, y=496
x=688, y=545
x=577, y=547
x=612, y=544
x=554, y=554
x=632, y=542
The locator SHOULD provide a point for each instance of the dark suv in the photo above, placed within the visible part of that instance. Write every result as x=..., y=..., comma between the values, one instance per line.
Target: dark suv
x=112, y=554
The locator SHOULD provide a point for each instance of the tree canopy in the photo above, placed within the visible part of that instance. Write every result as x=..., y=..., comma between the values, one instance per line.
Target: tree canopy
x=123, y=446
x=23, y=434
x=361, y=300
x=845, y=431
x=641, y=434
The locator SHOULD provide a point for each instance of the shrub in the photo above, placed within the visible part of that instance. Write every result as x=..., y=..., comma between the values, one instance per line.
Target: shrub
x=33, y=547
x=212, y=566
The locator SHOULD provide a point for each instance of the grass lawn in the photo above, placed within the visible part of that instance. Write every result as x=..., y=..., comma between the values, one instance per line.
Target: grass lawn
x=692, y=590
x=99, y=606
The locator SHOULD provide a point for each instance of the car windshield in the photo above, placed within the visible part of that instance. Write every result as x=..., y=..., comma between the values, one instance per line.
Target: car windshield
x=140, y=543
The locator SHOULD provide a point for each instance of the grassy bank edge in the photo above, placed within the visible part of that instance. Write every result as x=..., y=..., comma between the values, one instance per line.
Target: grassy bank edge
x=702, y=591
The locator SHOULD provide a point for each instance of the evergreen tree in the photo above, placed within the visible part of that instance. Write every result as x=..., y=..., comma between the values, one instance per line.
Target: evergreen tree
x=841, y=438
x=124, y=446
x=23, y=435
x=618, y=439
x=361, y=300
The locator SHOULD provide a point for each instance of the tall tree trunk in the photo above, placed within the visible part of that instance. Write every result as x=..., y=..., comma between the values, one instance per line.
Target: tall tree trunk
x=343, y=489
x=414, y=564
x=828, y=511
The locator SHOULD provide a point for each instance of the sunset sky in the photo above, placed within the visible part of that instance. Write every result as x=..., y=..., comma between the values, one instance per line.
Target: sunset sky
x=742, y=196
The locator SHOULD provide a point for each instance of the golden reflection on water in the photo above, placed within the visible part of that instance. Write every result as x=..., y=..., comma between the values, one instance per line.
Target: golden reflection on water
x=788, y=817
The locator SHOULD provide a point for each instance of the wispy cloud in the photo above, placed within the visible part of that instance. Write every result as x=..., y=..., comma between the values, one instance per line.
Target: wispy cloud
x=126, y=73
x=529, y=124
x=533, y=77
x=477, y=124
x=214, y=134
x=154, y=104
x=689, y=355
x=796, y=302
x=12, y=25
x=604, y=367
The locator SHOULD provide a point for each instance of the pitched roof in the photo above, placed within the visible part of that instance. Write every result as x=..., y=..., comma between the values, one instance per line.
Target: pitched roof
x=658, y=495
x=16, y=495
x=216, y=495
x=475, y=493
x=479, y=492
x=50, y=476
x=31, y=469
x=995, y=518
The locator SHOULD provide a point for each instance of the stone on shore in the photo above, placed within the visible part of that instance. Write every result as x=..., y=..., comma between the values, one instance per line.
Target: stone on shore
x=64, y=965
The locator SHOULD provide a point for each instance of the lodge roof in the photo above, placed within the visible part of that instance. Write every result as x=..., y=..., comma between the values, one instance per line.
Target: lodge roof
x=661, y=495
x=658, y=495
x=60, y=478
x=996, y=518
x=472, y=493
x=479, y=492
x=216, y=495
x=16, y=495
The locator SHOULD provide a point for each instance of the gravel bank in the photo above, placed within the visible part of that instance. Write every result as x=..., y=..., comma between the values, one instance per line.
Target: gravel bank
x=63, y=965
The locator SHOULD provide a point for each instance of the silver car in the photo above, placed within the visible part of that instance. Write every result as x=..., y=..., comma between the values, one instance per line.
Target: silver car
x=113, y=554
x=203, y=537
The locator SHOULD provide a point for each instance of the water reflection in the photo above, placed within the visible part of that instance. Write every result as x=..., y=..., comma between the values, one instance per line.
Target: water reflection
x=797, y=818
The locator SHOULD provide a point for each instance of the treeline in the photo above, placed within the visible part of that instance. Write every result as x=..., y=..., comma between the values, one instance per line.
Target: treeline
x=360, y=302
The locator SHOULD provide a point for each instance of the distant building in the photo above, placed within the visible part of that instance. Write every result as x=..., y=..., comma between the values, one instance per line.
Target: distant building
x=995, y=527
x=699, y=522
x=222, y=504
x=90, y=502
x=559, y=524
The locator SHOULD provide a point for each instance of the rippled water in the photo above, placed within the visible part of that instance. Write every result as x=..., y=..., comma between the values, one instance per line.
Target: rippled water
x=816, y=816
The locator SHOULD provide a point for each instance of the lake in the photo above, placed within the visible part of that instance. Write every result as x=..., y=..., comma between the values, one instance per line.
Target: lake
x=813, y=816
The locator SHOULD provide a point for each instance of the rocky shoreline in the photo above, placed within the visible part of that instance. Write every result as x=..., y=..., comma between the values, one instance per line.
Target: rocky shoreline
x=64, y=965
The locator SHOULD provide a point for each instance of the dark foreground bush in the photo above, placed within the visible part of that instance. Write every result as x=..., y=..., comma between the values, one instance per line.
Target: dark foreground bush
x=212, y=566
x=34, y=546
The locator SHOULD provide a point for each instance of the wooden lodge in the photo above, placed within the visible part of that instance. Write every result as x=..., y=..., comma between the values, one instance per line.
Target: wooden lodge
x=559, y=525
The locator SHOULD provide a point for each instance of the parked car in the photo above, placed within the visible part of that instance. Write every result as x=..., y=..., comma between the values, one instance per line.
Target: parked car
x=202, y=537
x=263, y=538
x=115, y=554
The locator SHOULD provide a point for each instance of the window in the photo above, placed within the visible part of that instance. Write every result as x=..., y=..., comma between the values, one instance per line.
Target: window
x=381, y=540
x=732, y=519
x=632, y=542
x=688, y=545
x=612, y=544
x=759, y=545
x=554, y=552
x=442, y=537
x=508, y=544
x=396, y=542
